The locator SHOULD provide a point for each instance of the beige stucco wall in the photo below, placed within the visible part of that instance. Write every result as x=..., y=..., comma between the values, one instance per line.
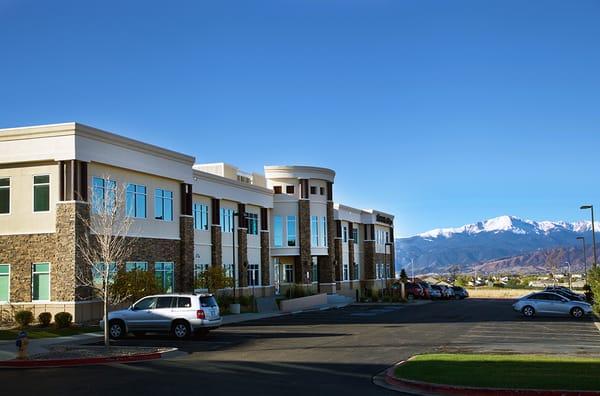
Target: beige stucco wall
x=148, y=227
x=22, y=219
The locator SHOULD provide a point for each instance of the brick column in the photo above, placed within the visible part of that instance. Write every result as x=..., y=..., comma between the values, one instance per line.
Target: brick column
x=265, y=273
x=351, y=258
x=325, y=263
x=216, y=248
x=185, y=272
x=242, y=257
x=369, y=259
x=302, y=264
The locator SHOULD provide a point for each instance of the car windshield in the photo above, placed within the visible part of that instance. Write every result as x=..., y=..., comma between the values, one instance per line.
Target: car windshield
x=208, y=301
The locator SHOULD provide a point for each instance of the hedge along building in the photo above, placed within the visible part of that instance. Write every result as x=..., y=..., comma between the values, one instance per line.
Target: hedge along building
x=184, y=216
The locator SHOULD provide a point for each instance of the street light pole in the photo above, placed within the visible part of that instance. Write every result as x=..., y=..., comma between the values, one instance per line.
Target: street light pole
x=582, y=239
x=591, y=207
x=235, y=214
x=569, y=269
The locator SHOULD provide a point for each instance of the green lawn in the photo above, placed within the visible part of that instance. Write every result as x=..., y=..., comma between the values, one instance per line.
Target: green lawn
x=45, y=332
x=504, y=371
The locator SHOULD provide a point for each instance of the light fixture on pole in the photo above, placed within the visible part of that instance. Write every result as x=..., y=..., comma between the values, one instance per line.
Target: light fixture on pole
x=582, y=239
x=591, y=207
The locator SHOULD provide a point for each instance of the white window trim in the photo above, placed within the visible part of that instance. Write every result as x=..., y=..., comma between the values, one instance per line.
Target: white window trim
x=49, y=281
x=8, y=274
x=9, y=188
x=33, y=192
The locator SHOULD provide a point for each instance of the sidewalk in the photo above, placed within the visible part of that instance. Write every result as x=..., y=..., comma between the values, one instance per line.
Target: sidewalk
x=8, y=349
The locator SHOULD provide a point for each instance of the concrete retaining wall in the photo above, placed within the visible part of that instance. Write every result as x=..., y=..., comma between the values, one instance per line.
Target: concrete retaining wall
x=298, y=304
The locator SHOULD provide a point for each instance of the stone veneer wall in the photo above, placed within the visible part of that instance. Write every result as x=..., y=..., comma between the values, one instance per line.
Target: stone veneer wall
x=216, y=255
x=351, y=258
x=242, y=257
x=302, y=264
x=265, y=268
x=185, y=271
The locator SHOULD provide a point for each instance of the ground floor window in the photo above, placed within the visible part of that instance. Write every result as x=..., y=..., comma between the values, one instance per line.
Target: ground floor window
x=314, y=270
x=356, y=272
x=228, y=270
x=253, y=275
x=4, y=282
x=199, y=269
x=136, y=266
x=379, y=271
x=98, y=273
x=41, y=282
x=288, y=273
x=346, y=275
x=163, y=271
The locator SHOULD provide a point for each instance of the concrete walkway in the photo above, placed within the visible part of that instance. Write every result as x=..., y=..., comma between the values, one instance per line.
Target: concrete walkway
x=8, y=349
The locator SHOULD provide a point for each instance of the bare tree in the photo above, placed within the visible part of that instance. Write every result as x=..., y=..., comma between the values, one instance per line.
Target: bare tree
x=104, y=245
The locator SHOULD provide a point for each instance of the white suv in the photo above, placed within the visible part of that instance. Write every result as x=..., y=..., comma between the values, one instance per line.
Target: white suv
x=179, y=314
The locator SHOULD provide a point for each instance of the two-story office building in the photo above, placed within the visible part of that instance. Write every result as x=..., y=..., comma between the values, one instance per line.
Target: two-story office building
x=266, y=232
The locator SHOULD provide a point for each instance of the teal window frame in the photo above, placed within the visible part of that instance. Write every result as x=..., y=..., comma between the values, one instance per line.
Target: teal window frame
x=38, y=272
x=200, y=212
x=164, y=272
x=4, y=283
x=41, y=193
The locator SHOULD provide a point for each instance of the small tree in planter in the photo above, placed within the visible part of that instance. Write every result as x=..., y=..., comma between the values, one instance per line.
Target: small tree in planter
x=214, y=278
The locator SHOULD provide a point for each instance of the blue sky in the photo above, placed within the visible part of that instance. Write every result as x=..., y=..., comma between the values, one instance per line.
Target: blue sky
x=441, y=112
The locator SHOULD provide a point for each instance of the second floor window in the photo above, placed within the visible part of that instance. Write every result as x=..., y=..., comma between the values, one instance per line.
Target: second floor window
x=4, y=195
x=163, y=204
x=277, y=231
x=314, y=231
x=252, y=220
x=226, y=220
x=41, y=193
x=200, y=216
x=104, y=194
x=291, y=230
x=136, y=201
x=324, y=233
x=345, y=234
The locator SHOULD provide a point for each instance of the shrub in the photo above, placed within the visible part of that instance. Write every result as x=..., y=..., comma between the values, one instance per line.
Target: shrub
x=63, y=319
x=23, y=318
x=213, y=279
x=593, y=280
x=45, y=318
x=133, y=285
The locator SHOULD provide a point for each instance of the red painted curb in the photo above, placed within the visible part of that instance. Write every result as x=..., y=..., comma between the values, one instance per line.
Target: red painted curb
x=452, y=390
x=78, y=362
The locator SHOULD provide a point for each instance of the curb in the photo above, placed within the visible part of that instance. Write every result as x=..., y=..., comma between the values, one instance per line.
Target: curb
x=47, y=363
x=419, y=387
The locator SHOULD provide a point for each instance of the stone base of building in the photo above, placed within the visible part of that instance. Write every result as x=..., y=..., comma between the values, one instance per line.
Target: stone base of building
x=376, y=284
x=329, y=288
x=82, y=311
x=258, y=291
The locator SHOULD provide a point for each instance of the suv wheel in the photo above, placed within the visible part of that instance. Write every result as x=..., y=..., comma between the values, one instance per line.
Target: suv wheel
x=116, y=329
x=528, y=311
x=181, y=329
x=577, y=313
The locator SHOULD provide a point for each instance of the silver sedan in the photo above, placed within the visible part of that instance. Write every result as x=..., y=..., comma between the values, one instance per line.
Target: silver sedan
x=551, y=303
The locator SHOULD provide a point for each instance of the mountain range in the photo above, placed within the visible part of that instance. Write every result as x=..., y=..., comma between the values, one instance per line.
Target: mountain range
x=501, y=244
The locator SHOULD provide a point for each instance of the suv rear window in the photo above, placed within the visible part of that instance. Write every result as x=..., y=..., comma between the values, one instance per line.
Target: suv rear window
x=184, y=302
x=208, y=301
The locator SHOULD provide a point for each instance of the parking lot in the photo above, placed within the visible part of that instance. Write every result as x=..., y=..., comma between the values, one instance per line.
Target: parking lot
x=322, y=352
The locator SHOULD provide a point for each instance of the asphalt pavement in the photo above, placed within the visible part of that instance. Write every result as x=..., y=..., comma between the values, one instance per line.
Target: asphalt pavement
x=324, y=352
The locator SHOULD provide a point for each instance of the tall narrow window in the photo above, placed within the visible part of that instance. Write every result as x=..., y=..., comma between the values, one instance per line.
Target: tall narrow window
x=252, y=222
x=41, y=193
x=200, y=216
x=346, y=273
x=228, y=268
x=4, y=195
x=163, y=204
x=226, y=220
x=277, y=231
x=291, y=230
x=253, y=275
x=4, y=283
x=289, y=189
x=199, y=268
x=104, y=194
x=324, y=228
x=136, y=201
x=288, y=273
x=314, y=231
x=40, y=282
x=356, y=271
x=355, y=235
x=163, y=271
x=314, y=270
x=345, y=234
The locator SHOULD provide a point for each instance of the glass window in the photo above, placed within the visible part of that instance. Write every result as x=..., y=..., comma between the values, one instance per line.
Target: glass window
x=291, y=230
x=136, y=266
x=226, y=220
x=276, y=189
x=163, y=205
x=289, y=189
x=4, y=282
x=277, y=231
x=322, y=190
x=228, y=270
x=253, y=275
x=346, y=274
x=135, y=201
x=41, y=193
x=313, y=190
x=288, y=273
x=164, y=302
x=200, y=216
x=314, y=231
x=4, y=195
x=98, y=273
x=324, y=233
x=356, y=271
x=355, y=235
x=163, y=271
x=146, y=303
x=184, y=302
x=104, y=194
x=41, y=282
x=345, y=233
x=199, y=269
x=314, y=268
x=208, y=301
x=252, y=220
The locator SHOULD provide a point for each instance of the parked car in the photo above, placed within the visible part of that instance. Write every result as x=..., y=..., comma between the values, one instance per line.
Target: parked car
x=414, y=290
x=447, y=292
x=426, y=289
x=551, y=303
x=179, y=314
x=460, y=292
x=566, y=292
x=436, y=292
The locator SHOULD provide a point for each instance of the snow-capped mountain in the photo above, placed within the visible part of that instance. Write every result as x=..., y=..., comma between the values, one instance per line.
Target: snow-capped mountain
x=472, y=245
